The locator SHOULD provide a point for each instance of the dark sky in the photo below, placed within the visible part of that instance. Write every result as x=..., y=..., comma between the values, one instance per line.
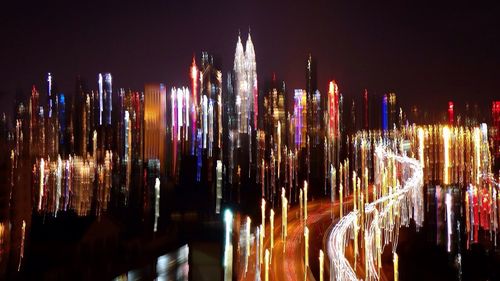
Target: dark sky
x=427, y=53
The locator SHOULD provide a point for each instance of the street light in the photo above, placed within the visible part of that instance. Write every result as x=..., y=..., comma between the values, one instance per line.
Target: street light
x=263, y=216
x=341, y=201
x=301, y=202
x=266, y=278
x=321, y=264
x=271, y=218
x=247, y=254
x=305, y=202
x=306, y=246
x=446, y=144
x=395, y=259
x=228, y=249
x=284, y=214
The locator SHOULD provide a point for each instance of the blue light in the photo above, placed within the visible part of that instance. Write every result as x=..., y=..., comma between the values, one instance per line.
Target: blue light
x=199, y=156
x=385, y=114
x=61, y=98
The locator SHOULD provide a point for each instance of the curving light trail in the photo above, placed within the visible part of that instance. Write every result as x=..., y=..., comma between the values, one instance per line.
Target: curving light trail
x=383, y=219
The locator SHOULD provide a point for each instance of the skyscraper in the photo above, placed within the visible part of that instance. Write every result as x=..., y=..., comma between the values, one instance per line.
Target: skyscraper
x=300, y=115
x=246, y=90
x=155, y=123
x=495, y=116
x=52, y=125
x=385, y=114
x=332, y=120
x=194, y=77
x=37, y=128
x=314, y=102
x=450, y=114
x=392, y=110
x=105, y=94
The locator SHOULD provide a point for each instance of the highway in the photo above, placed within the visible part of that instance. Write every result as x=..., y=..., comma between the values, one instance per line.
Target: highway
x=289, y=265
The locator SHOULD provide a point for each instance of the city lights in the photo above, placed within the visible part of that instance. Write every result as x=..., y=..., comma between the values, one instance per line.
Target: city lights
x=228, y=245
x=134, y=171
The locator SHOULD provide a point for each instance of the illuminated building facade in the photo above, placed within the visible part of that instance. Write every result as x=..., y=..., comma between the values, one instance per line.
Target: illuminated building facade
x=332, y=117
x=51, y=119
x=495, y=128
x=105, y=93
x=393, y=111
x=274, y=111
x=271, y=141
x=62, y=124
x=385, y=113
x=451, y=115
x=246, y=91
x=300, y=117
x=155, y=123
x=314, y=103
x=134, y=102
x=194, y=108
x=211, y=105
x=37, y=128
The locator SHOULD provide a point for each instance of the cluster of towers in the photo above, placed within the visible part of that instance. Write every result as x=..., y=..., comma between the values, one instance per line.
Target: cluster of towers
x=246, y=91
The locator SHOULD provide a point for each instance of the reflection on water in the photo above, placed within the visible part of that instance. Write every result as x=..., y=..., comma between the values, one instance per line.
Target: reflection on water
x=172, y=266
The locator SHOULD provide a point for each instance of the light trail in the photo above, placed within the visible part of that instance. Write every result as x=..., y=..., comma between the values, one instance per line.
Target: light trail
x=383, y=219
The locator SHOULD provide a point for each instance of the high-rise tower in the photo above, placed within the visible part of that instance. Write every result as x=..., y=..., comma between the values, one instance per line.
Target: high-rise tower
x=155, y=123
x=251, y=68
x=245, y=70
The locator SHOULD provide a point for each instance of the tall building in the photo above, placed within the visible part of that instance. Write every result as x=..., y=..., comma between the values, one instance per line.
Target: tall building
x=311, y=80
x=450, y=113
x=62, y=124
x=392, y=110
x=385, y=114
x=52, y=124
x=246, y=90
x=50, y=95
x=211, y=105
x=274, y=115
x=81, y=118
x=155, y=123
x=37, y=126
x=332, y=116
x=194, y=79
x=300, y=117
x=366, y=113
x=105, y=94
x=495, y=116
x=314, y=103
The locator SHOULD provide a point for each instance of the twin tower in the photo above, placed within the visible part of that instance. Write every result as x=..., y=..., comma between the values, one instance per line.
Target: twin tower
x=246, y=91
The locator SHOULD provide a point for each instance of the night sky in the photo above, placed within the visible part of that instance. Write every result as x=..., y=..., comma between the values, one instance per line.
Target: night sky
x=427, y=54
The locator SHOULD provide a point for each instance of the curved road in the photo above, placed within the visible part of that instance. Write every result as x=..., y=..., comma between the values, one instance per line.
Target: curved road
x=290, y=264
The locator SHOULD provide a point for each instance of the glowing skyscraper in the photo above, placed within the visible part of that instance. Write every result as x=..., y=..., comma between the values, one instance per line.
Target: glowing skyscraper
x=155, y=123
x=194, y=76
x=105, y=96
x=450, y=113
x=52, y=126
x=251, y=68
x=246, y=90
x=300, y=115
x=385, y=113
x=108, y=98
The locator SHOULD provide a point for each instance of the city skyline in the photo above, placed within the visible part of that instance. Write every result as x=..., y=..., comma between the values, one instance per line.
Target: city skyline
x=249, y=141
x=445, y=54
